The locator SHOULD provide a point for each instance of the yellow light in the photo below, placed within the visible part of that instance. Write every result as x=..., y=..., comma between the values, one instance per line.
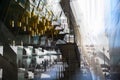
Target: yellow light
x=42, y=32
x=39, y=34
x=45, y=28
x=19, y=24
x=24, y=28
x=48, y=22
x=30, y=29
x=12, y=23
x=32, y=33
x=49, y=27
x=26, y=20
x=37, y=31
x=44, y=21
x=38, y=20
x=29, y=14
x=35, y=25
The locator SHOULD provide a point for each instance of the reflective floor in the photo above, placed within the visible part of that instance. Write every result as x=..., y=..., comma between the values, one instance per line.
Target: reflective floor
x=83, y=74
x=55, y=72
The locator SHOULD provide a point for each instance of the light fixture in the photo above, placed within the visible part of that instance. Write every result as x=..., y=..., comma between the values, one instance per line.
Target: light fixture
x=38, y=20
x=42, y=32
x=19, y=24
x=44, y=21
x=45, y=28
x=39, y=34
x=30, y=29
x=32, y=32
x=12, y=23
x=29, y=14
x=26, y=20
x=37, y=31
x=35, y=34
x=24, y=28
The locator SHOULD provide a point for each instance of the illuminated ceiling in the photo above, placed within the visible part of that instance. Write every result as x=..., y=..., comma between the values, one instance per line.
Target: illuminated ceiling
x=89, y=16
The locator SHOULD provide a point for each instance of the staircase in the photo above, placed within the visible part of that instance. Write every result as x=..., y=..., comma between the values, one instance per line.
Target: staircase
x=9, y=58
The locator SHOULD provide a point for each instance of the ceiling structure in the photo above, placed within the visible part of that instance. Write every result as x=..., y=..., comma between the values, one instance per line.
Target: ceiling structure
x=35, y=18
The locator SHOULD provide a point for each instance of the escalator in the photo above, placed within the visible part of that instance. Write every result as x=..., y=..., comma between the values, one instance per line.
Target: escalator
x=71, y=55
